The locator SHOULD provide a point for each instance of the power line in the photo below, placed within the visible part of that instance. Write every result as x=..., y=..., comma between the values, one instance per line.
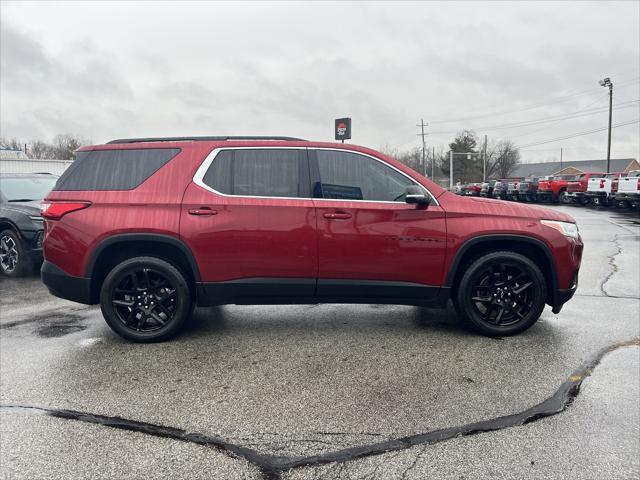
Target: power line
x=559, y=121
x=533, y=106
x=577, y=134
x=553, y=118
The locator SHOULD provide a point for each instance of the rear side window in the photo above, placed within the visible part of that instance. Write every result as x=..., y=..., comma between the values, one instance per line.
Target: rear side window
x=257, y=173
x=113, y=169
x=350, y=176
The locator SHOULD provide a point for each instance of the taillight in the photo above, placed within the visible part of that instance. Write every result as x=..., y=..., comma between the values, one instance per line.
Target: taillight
x=638, y=185
x=57, y=210
x=601, y=183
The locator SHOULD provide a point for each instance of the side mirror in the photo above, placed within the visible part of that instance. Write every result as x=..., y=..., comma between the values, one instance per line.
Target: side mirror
x=416, y=196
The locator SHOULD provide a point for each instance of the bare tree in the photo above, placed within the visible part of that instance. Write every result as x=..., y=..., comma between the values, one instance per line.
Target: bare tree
x=41, y=150
x=502, y=159
x=65, y=144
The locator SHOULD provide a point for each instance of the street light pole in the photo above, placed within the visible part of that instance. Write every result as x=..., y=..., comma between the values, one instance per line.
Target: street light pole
x=608, y=83
x=450, y=170
x=484, y=161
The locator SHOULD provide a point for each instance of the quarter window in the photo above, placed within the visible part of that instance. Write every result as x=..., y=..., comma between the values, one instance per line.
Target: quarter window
x=113, y=169
x=258, y=173
x=350, y=176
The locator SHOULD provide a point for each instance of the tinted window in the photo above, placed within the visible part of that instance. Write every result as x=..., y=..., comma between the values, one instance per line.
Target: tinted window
x=26, y=188
x=350, y=176
x=258, y=173
x=113, y=169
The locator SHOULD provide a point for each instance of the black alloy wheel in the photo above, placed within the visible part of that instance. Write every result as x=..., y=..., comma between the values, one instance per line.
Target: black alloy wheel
x=501, y=293
x=146, y=299
x=13, y=260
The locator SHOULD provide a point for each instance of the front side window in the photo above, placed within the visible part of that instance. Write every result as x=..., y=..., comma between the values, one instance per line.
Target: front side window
x=350, y=176
x=256, y=173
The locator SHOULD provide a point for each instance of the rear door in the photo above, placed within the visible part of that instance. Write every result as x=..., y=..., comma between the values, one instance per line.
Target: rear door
x=249, y=219
x=371, y=244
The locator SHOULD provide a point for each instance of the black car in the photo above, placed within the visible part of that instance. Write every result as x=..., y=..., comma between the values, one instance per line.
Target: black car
x=21, y=226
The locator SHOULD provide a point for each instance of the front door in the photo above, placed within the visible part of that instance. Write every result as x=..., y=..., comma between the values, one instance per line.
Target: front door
x=251, y=225
x=371, y=243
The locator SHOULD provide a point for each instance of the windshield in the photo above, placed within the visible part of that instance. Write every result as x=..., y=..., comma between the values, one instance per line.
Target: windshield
x=26, y=188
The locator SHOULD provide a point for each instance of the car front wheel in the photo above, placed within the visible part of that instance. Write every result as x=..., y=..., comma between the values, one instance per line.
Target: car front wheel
x=146, y=299
x=501, y=293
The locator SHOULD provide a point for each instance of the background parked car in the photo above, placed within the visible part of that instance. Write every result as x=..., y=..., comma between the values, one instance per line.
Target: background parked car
x=601, y=191
x=21, y=226
x=513, y=189
x=577, y=189
x=486, y=190
x=628, y=194
x=473, y=189
x=500, y=189
x=554, y=189
x=528, y=189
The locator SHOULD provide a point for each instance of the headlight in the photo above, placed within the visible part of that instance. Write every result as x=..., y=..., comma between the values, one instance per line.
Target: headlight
x=565, y=228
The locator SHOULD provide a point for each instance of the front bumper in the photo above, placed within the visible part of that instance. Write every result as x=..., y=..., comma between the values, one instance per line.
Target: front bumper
x=63, y=285
x=561, y=297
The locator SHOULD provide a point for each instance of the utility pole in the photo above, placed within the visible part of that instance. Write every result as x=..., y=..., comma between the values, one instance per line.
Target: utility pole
x=608, y=83
x=484, y=161
x=424, y=146
x=560, y=158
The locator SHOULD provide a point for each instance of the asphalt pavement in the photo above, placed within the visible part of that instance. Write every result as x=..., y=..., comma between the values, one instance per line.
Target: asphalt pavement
x=332, y=391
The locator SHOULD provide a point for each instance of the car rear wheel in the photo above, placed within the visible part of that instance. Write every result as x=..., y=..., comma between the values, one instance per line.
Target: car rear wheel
x=501, y=293
x=146, y=299
x=14, y=261
x=563, y=198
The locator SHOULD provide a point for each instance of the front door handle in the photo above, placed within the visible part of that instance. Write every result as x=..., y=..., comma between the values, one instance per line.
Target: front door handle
x=202, y=211
x=337, y=215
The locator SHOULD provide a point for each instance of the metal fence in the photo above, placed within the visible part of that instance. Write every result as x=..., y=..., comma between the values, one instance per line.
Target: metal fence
x=34, y=166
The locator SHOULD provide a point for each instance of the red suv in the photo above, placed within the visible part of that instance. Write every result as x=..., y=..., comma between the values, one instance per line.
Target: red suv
x=149, y=228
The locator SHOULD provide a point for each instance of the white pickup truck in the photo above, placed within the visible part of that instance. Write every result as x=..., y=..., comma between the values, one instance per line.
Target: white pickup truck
x=601, y=191
x=628, y=194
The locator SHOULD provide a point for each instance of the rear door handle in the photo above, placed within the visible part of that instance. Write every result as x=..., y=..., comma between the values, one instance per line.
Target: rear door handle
x=337, y=216
x=202, y=211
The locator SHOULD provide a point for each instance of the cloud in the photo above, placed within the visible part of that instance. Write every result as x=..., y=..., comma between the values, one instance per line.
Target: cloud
x=117, y=70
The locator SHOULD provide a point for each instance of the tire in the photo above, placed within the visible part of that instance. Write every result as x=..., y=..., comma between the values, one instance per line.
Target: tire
x=14, y=261
x=146, y=299
x=563, y=198
x=490, y=282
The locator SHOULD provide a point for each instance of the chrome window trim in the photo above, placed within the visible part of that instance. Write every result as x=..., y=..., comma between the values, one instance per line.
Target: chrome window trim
x=204, y=166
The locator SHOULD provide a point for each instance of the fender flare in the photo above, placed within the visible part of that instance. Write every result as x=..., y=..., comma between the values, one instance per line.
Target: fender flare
x=142, y=237
x=455, y=263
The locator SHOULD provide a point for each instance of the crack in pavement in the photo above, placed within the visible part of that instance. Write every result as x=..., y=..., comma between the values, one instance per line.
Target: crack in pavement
x=272, y=466
x=612, y=264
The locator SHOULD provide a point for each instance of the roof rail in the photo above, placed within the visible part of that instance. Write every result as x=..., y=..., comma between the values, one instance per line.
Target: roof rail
x=202, y=139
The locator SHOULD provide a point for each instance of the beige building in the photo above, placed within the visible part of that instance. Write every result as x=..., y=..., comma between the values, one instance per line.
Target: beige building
x=574, y=167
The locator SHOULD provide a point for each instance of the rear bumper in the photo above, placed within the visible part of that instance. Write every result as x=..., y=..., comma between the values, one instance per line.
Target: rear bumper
x=628, y=196
x=63, y=285
x=544, y=194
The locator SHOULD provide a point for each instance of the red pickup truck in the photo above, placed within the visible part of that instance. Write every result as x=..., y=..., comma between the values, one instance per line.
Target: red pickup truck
x=554, y=189
x=577, y=189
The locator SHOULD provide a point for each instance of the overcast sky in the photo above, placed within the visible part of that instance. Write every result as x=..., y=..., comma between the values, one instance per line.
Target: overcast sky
x=109, y=70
